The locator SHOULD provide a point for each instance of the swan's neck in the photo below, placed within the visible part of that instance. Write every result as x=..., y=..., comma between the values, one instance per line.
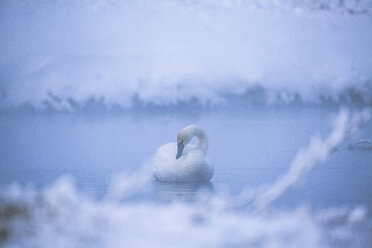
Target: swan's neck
x=202, y=141
x=187, y=133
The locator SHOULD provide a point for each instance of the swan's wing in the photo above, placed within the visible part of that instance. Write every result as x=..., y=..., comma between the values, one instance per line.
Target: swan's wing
x=165, y=155
x=168, y=153
x=167, y=150
x=191, y=166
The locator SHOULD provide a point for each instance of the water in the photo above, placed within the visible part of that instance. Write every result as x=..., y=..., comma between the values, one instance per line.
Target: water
x=249, y=148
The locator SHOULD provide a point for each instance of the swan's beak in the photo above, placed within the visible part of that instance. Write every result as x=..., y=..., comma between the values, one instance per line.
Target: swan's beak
x=180, y=147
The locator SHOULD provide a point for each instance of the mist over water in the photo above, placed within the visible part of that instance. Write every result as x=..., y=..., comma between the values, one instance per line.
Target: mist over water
x=64, y=54
x=89, y=90
x=308, y=187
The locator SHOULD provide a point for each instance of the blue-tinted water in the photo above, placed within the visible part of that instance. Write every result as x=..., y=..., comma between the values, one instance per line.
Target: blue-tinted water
x=248, y=148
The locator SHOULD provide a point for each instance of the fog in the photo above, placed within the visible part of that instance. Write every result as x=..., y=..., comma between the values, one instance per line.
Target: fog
x=63, y=54
x=90, y=89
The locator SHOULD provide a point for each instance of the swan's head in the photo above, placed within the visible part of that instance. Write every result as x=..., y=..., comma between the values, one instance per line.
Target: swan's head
x=184, y=137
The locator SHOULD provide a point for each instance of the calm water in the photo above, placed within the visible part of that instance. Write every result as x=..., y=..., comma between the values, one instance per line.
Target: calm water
x=248, y=147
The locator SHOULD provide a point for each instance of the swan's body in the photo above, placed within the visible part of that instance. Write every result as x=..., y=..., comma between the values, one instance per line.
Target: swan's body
x=173, y=163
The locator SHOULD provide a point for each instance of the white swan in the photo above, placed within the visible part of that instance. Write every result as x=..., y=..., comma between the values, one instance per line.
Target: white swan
x=182, y=163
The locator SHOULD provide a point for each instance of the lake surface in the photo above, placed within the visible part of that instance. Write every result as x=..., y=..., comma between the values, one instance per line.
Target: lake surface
x=248, y=148
x=96, y=166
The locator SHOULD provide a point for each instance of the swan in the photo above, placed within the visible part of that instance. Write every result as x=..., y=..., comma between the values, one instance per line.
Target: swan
x=182, y=163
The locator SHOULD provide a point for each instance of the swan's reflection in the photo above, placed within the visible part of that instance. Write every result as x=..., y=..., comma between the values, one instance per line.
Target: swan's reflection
x=181, y=191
